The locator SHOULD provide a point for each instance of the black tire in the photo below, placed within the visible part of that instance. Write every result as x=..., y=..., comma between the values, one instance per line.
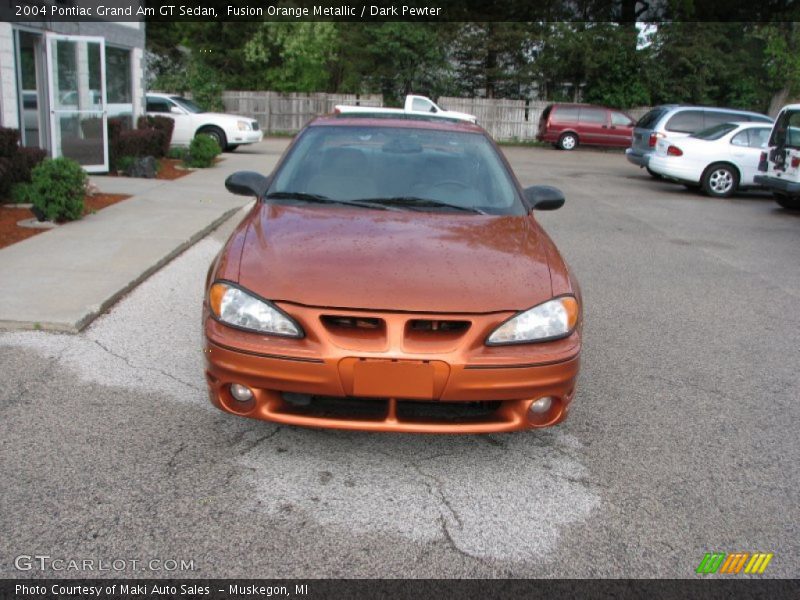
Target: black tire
x=653, y=174
x=720, y=180
x=568, y=141
x=787, y=202
x=231, y=147
x=217, y=134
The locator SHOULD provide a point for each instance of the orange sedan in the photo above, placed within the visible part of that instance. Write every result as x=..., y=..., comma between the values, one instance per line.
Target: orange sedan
x=392, y=277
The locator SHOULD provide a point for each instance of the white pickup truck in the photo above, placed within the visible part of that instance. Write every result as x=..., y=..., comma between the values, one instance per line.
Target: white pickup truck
x=414, y=105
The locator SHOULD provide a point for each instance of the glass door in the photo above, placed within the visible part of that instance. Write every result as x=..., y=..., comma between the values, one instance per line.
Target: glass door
x=76, y=73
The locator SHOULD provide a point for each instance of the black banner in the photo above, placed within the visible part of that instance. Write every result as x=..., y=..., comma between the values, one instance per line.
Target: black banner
x=399, y=10
x=399, y=589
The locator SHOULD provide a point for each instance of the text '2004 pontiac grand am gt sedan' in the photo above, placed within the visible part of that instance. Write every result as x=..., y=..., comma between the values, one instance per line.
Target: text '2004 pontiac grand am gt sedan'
x=391, y=277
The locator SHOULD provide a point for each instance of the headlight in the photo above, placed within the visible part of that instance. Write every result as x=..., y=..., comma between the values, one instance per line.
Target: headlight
x=243, y=125
x=551, y=320
x=236, y=307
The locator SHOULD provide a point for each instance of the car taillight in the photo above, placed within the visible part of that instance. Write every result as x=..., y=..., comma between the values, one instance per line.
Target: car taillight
x=652, y=141
x=763, y=157
x=674, y=151
x=795, y=162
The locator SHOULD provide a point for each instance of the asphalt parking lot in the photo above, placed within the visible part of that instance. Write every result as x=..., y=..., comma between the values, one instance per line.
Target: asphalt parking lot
x=682, y=439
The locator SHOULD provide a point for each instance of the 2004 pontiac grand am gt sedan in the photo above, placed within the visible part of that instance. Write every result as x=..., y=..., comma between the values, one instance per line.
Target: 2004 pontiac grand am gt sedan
x=391, y=277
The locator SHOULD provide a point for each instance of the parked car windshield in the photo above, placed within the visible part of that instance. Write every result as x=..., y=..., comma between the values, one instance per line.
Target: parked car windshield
x=187, y=104
x=415, y=169
x=715, y=132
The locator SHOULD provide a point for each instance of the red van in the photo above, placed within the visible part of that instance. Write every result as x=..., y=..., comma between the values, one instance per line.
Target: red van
x=567, y=125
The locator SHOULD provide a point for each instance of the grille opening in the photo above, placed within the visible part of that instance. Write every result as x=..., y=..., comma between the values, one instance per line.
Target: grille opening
x=332, y=407
x=436, y=325
x=445, y=411
x=345, y=322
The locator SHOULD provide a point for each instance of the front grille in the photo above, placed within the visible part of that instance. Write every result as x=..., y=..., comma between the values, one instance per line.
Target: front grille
x=349, y=322
x=445, y=411
x=433, y=325
x=330, y=407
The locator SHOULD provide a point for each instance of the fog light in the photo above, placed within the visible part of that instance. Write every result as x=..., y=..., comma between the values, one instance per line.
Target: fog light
x=542, y=405
x=240, y=392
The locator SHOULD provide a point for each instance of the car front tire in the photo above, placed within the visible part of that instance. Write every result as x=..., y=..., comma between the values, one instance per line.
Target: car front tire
x=568, y=141
x=217, y=135
x=720, y=180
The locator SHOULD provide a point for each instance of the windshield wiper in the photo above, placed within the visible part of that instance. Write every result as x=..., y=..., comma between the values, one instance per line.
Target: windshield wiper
x=415, y=201
x=320, y=199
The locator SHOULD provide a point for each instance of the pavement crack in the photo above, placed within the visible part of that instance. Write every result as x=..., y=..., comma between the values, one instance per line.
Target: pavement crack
x=252, y=445
x=174, y=458
x=134, y=366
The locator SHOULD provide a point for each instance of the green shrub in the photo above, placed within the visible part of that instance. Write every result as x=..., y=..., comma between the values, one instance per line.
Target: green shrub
x=178, y=152
x=57, y=188
x=125, y=162
x=23, y=163
x=202, y=151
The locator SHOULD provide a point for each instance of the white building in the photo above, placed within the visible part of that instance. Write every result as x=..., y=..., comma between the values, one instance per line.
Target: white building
x=61, y=81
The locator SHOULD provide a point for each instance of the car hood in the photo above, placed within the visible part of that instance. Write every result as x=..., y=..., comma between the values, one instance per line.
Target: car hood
x=225, y=116
x=394, y=260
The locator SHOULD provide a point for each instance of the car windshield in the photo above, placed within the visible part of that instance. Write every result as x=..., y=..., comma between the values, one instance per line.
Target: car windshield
x=715, y=132
x=187, y=104
x=402, y=167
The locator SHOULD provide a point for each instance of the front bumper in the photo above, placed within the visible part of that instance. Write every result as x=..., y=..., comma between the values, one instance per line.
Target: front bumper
x=500, y=383
x=777, y=184
x=637, y=157
x=246, y=137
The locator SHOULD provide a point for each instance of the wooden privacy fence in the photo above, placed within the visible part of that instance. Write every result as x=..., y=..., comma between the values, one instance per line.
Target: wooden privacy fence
x=505, y=120
x=287, y=113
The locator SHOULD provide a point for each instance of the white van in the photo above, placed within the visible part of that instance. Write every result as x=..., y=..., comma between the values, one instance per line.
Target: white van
x=780, y=162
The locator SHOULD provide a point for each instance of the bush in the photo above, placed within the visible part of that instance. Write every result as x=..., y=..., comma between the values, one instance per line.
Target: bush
x=125, y=162
x=57, y=189
x=164, y=125
x=138, y=142
x=178, y=152
x=202, y=151
x=9, y=142
x=115, y=127
x=23, y=163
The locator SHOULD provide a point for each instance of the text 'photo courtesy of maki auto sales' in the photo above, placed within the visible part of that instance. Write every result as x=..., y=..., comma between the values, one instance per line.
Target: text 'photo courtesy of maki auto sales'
x=391, y=276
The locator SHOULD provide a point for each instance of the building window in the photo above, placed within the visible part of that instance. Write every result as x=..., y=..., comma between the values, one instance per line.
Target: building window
x=119, y=93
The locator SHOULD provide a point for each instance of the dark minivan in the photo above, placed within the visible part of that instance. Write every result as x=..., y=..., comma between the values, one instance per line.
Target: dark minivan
x=567, y=125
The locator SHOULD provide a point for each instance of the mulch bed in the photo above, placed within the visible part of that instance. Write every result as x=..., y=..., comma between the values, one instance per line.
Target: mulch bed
x=11, y=233
x=168, y=169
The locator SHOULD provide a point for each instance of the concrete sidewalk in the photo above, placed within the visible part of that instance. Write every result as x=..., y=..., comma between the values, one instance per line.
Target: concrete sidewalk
x=62, y=279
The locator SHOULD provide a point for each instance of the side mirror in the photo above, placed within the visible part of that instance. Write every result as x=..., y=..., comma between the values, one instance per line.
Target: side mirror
x=544, y=197
x=247, y=183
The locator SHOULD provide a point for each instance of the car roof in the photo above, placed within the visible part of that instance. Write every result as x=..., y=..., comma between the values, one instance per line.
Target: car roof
x=401, y=121
x=719, y=108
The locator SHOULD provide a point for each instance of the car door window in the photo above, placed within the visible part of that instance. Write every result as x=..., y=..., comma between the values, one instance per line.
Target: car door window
x=620, y=120
x=741, y=139
x=715, y=117
x=759, y=137
x=422, y=105
x=158, y=105
x=686, y=121
x=566, y=114
x=595, y=116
